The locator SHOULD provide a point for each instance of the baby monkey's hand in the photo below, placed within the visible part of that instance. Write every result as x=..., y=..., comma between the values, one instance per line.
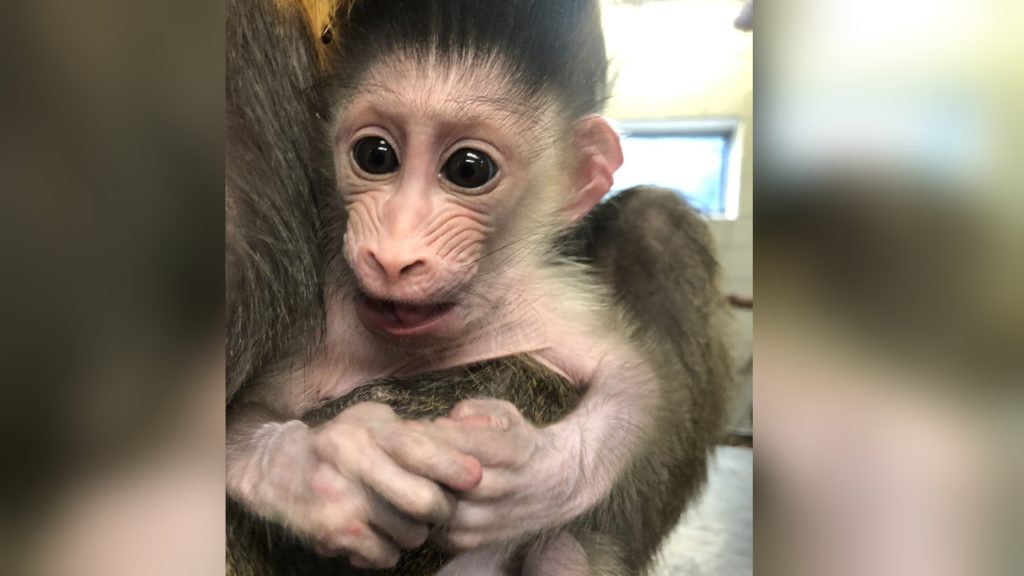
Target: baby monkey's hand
x=363, y=485
x=530, y=474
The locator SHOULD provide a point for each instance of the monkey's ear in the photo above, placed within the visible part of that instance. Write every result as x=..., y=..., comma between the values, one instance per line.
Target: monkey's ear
x=598, y=155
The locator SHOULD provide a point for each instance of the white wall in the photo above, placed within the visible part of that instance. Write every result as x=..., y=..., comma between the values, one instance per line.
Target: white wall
x=683, y=59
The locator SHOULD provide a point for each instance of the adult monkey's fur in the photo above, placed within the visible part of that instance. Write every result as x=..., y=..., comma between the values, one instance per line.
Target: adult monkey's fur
x=646, y=243
x=274, y=279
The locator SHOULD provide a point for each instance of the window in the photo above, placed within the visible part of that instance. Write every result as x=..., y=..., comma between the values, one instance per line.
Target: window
x=689, y=157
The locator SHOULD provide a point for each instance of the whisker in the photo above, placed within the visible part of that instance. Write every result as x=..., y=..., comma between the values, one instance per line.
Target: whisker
x=499, y=249
x=509, y=258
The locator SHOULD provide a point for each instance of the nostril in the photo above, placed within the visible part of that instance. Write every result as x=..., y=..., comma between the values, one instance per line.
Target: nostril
x=415, y=267
x=373, y=262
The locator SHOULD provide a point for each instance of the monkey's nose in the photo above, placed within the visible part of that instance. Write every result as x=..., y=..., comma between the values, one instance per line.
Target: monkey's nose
x=397, y=266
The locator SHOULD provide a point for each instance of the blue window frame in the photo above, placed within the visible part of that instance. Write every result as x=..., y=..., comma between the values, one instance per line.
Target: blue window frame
x=689, y=157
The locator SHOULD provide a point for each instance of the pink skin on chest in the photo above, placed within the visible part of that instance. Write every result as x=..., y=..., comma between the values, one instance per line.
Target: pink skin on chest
x=530, y=323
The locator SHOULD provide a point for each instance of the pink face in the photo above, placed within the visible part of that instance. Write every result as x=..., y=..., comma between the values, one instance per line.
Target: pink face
x=432, y=167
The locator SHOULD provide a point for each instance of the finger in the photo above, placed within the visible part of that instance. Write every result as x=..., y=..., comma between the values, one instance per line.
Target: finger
x=403, y=531
x=380, y=552
x=369, y=549
x=369, y=412
x=442, y=537
x=326, y=551
x=475, y=421
x=497, y=483
x=486, y=532
x=484, y=518
x=416, y=449
x=410, y=494
x=491, y=446
x=459, y=541
x=499, y=412
x=359, y=562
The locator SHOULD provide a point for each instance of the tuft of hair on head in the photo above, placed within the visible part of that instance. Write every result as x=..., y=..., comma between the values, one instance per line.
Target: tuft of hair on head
x=550, y=48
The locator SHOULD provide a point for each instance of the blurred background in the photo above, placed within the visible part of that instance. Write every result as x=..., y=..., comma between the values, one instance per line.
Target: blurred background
x=889, y=250
x=887, y=389
x=111, y=246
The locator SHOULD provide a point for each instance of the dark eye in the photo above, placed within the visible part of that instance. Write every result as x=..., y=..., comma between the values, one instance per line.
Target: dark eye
x=469, y=168
x=374, y=155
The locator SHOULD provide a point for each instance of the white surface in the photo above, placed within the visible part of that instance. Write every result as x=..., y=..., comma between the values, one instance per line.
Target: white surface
x=715, y=537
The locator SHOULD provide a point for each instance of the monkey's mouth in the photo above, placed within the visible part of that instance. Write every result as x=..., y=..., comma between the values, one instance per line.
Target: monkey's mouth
x=401, y=318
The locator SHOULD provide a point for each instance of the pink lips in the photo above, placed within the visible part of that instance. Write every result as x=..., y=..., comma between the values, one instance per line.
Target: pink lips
x=401, y=319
